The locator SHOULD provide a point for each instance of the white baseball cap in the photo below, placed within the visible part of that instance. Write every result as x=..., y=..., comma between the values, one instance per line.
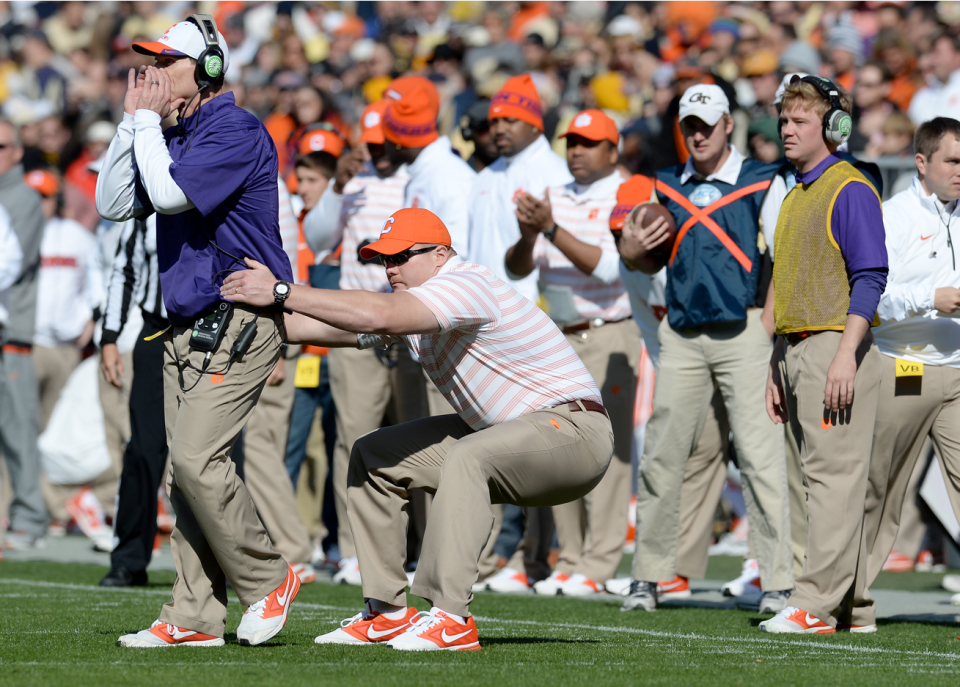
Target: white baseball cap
x=704, y=101
x=183, y=39
x=778, y=98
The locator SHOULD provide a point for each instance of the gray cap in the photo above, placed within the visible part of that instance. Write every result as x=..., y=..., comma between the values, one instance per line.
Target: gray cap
x=846, y=37
x=803, y=57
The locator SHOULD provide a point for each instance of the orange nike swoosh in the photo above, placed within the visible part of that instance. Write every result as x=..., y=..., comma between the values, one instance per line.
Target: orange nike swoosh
x=924, y=238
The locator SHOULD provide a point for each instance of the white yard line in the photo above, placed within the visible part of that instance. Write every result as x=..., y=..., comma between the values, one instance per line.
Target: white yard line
x=812, y=643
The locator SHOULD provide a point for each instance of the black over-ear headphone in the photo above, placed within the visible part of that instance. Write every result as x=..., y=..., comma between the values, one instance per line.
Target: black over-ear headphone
x=837, y=124
x=210, y=63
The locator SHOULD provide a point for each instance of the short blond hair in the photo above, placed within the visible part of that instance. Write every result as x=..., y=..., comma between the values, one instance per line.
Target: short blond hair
x=806, y=96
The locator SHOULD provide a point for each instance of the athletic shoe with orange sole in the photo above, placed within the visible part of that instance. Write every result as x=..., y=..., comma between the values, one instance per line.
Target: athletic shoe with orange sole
x=581, y=585
x=162, y=634
x=792, y=620
x=306, y=572
x=368, y=628
x=551, y=585
x=856, y=629
x=508, y=581
x=264, y=619
x=897, y=562
x=437, y=631
x=677, y=588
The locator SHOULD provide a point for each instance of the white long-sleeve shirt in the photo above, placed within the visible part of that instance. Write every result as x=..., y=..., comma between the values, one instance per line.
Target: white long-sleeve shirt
x=440, y=181
x=918, y=235
x=355, y=217
x=64, y=293
x=936, y=100
x=11, y=261
x=493, y=222
x=138, y=137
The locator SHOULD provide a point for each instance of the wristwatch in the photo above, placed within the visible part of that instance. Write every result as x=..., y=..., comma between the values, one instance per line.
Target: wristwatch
x=280, y=292
x=551, y=233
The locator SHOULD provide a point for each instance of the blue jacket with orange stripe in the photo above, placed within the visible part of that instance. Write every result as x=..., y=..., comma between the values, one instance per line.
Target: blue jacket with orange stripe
x=715, y=262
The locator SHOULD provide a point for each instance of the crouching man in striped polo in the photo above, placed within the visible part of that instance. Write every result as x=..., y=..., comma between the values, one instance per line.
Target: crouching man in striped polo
x=530, y=427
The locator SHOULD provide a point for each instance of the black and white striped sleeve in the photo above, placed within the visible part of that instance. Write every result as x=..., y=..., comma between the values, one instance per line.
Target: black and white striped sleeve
x=127, y=270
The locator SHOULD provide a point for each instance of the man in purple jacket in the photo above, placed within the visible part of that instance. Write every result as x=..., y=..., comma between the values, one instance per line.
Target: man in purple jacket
x=212, y=180
x=829, y=274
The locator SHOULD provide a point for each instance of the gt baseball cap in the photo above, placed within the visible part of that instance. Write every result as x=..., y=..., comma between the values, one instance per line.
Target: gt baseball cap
x=321, y=140
x=704, y=101
x=371, y=122
x=593, y=125
x=183, y=39
x=406, y=228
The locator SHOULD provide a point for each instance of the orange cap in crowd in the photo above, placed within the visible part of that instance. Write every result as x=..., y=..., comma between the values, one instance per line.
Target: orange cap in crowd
x=406, y=85
x=320, y=140
x=371, y=122
x=411, y=121
x=593, y=125
x=518, y=99
x=406, y=228
x=43, y=182
x=635, y=190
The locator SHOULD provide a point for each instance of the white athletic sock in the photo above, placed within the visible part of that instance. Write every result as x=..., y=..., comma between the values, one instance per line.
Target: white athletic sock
x=389, y=610
x=459, y=618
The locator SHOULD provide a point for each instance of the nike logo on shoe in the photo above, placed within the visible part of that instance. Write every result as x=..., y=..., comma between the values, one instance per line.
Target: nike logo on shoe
x=282, y=598
x=177, y=633
x=810, y=620
x=452, y=638
x=377, y=634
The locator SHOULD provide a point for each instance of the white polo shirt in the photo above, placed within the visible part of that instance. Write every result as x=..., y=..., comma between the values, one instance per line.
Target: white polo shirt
x=493, y=222
x=585, y=213
x=497, y=355
x=921, y=261
x=64, y=292
x=440, y=181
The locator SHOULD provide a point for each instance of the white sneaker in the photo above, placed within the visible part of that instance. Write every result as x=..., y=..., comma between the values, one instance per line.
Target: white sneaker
x=733, y=543
x=619, y=586
x=305, y=572
x=551, y=585
x=437, y=631
x=749, y=576
x=508, y=581
x=581, y=585
x=955, y=600
x=368, y=628
x=264, y=619
x=318, y=557
x=792, y=620
x=161, y=635
x=349, y=572
x=951, y=583
x=86, y=510
x=22, y=541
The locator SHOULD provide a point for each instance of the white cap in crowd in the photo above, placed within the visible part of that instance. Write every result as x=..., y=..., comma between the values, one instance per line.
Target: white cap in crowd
x=704, y=101
x=783, y=86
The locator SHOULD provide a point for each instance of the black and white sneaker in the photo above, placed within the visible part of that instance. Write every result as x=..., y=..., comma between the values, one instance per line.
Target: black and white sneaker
x=774, y=602
x=642, y=595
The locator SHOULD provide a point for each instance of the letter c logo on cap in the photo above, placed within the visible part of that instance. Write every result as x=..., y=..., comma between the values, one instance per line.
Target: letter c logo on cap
x=582, y=120
x=387, y=227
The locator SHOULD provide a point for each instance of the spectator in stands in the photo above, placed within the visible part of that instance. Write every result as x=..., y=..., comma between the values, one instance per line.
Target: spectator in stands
x=941, y=96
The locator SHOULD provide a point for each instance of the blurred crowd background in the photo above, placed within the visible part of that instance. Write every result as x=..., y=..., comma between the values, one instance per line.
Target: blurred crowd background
x=63, y=67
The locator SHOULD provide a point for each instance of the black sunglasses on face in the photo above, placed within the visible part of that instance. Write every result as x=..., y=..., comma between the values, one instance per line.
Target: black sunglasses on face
x=404, y=255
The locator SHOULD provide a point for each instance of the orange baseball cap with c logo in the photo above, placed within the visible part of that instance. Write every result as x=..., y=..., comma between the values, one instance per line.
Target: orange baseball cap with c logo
x=406, y=228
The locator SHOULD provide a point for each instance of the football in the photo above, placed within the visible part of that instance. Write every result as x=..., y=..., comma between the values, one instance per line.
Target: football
x=654, y=211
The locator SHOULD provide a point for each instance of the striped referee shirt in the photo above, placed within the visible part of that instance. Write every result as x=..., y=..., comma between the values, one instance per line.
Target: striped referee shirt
x=135, y=279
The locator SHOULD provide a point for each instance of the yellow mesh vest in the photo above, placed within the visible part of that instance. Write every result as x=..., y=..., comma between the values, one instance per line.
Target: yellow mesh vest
x=812, y=289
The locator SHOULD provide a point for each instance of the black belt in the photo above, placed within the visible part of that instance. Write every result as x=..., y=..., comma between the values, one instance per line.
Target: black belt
x=797, y=337
x=574, y=407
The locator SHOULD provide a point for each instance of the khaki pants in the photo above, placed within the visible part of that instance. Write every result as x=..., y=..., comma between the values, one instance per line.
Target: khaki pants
x=702, y=485
x=361, y=386
x=218, y=536
x=798, y=501
x=53, y=366
x=913, y=526
x=265, y=473
x=591, y=531
x=540, y=459
x=116, y=424
x=909, y=410
x=835, y=456
x=735, y=357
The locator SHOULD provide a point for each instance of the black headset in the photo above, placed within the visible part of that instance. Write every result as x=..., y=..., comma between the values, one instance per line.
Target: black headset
x=210, y=63
x=837, y=123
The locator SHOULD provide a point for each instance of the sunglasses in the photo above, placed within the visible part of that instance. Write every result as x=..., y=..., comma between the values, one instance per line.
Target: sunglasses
x=403, y=256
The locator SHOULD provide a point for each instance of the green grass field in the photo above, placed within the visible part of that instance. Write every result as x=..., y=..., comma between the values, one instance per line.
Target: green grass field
x=58, y=628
